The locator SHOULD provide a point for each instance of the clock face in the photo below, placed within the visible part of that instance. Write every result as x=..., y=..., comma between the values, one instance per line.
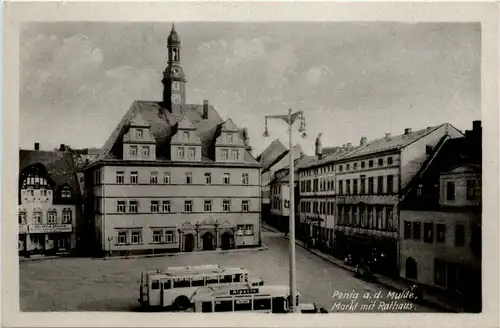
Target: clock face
x=176, y=99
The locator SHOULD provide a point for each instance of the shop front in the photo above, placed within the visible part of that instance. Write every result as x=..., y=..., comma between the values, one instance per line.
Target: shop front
x=49, y=238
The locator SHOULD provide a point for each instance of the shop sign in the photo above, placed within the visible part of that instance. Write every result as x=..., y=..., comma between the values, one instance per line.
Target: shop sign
x=243, y=291
x=23, y=229
x=49, y=228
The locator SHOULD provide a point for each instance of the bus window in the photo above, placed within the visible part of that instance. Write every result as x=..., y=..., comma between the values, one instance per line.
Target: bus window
x=279, y=305
x=242, y=305
x=262, y=304
x=223, y=306
x=197, y=282
x=226, y=279
x=155, y=284
x=181, y=282
x=167, y=284
x=212, y=280
x=237, y=277
x=245, y=277
x=206, y=307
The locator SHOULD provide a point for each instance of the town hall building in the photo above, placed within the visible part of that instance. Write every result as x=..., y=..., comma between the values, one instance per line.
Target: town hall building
x=173, y=177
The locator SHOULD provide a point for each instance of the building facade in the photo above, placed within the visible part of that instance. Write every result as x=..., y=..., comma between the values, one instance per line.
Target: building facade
x=49, y=202
x=441, y=220
x=174, y=177
x=369, y=181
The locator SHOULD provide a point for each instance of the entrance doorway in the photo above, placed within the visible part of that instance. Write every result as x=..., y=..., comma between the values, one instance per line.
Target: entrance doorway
x=226, y=240
x=208, y=241
x=411, y=268
x=188, y=243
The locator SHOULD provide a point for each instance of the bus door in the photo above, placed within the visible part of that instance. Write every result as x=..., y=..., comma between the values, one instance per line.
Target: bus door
x=165, y=286
x=154, y=292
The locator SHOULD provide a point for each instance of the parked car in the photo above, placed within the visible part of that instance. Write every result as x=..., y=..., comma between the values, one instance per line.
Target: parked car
x=364, y=272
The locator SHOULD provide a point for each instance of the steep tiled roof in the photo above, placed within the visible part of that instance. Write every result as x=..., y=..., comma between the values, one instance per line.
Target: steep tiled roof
x=269, y=155
x=59, y=165
x=391, y=143
x=338, y=153
x=163, y=125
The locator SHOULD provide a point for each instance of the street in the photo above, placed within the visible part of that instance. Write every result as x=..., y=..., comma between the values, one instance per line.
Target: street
x=85, y=284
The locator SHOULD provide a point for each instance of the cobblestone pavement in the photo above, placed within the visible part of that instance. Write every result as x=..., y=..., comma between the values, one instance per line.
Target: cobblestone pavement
x=85, y=284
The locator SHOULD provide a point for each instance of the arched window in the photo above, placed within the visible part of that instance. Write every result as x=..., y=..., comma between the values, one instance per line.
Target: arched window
x=22, y=217
x=52, y=216
x=37, y=216
x=67, y=216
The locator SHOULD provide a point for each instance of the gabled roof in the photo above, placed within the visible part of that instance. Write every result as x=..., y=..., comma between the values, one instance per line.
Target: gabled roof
x=60, y=166
x=163, y=125
x=268, y=167
x=392, y=143
x=138, y=121
x=229, y=126
x=272, y=151
x=185, y=124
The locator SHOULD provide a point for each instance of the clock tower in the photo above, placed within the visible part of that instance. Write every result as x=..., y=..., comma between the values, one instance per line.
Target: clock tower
x=174, y=81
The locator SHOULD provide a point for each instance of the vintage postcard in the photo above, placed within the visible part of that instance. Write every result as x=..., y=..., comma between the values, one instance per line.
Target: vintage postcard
x=250, y=164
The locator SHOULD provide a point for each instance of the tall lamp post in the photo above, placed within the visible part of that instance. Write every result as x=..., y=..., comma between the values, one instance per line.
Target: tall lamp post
x=290, y=119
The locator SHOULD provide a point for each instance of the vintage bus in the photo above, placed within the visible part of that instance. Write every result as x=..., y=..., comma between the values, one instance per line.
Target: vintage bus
x=174, y=286
x=243, y=298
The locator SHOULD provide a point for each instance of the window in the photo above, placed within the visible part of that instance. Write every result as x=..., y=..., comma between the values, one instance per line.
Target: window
x=145, y=151
x=136, y=237
x=197, y=281
x=370, y=185
x=428, y=232
x=347, y=167
x=134, y=177
x=370, y=163
x=389, y=160
x=450, y=191
x=207, y=207
x=133, y=151
x=355, y=166
x=153, y=178
x=67, y=216
x=169, y=237
x=223, y=306
x=380, y=162
x=166, y=206
x=225, y=178
x=244, y=178
x=229, y=138
x=242, y=305
x=362, y=186
x=133, y=206
x=471, y=190
x=226, y=205
x=459, y=235
x=138, y=133
x=441, y=233
x=180, y=152
x=224, y=154
x=155, y=206
x=122, y=238
x=355, y=186
x=66, y=192
x=239, y=230
x=235, y=154
x=390, y=181
x=248, y=229
x=416, y=230
x=380, y=185
x=188, y=206
x=157, y=234
x=388, y=217
x=52, y=217
x=22, y=217
x=120, y=177
x=189, y=178
x=340, y=168
x=348, y=186
x=341, y=192
x=206, y=307
x=362, y=165
x=191, y=153
x=120, y=206
x=262, y=304
x=166, y=178
x=186, y=135
x=245, y=206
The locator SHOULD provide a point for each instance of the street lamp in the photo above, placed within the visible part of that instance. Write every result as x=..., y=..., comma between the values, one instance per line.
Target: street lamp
x=290, y=119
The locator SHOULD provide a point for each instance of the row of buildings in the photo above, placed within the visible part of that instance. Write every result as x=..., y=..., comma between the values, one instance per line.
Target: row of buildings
x=412, y=201
x=172, y=176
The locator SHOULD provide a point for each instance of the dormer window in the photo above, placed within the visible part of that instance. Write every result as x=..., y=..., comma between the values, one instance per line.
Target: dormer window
x=180, y=152
x=145, y=151
x=133, y=151
x=229, y=138
x=66, y=192
x=139, y=133
x=235, y=154
x=224, y=154
x=191, y=153
x=186, y=135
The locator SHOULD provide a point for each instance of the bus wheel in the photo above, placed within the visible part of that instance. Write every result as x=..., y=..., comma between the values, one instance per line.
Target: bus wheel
x=182, y=303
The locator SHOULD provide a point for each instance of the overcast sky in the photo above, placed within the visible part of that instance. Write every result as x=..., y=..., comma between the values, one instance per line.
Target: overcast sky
x=350, y=79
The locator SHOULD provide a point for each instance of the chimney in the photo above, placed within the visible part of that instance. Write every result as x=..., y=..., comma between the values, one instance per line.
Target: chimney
x=62, y=147
x=387, y=135
x=407, y=131
x=205, y=109
x=363, y=141
x=476, y=126
x=349, y=145
x=37, y=146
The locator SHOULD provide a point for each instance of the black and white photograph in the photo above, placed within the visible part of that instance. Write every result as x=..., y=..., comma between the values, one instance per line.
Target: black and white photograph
x=190, y=166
